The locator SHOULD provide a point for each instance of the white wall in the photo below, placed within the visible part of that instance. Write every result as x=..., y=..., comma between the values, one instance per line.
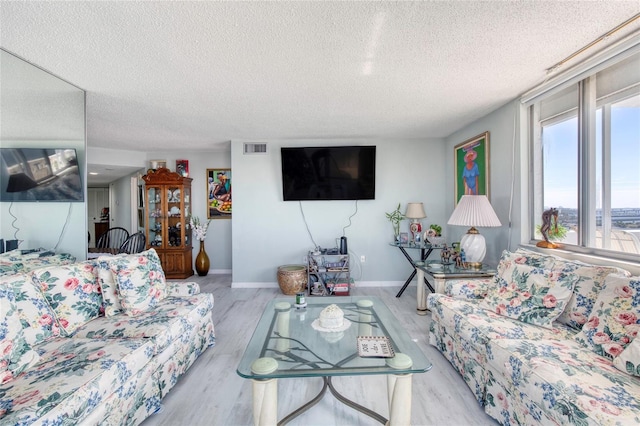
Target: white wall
x=502, y=173
x=268, y=232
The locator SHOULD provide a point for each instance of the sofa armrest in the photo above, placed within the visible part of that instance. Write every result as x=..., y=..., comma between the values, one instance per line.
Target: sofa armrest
x=182, y=288
x=467, y=288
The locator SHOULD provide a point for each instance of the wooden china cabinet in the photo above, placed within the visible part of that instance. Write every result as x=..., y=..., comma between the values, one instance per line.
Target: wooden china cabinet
x=167, y=213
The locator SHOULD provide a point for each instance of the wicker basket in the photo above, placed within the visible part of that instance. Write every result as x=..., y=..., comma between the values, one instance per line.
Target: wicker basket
x=292, y=279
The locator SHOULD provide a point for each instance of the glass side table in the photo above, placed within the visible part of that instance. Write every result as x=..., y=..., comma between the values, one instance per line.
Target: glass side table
x=425, y=251
x=439, y=273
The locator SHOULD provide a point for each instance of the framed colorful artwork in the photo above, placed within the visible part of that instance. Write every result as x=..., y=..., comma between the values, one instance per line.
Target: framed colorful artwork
x=219, y=193
x=471, y=166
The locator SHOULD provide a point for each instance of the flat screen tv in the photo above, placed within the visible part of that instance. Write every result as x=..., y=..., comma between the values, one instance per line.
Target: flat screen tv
x=328, y=173
x=40, y=174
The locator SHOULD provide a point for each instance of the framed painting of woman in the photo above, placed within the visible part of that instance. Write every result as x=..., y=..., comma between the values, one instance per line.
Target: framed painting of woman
x=471, y=159
x=219, y=194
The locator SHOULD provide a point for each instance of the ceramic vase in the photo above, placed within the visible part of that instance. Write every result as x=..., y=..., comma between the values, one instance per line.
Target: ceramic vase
x=202, y=261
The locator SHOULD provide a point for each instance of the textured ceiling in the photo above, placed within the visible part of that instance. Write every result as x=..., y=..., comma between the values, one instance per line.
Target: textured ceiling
x=194, y=75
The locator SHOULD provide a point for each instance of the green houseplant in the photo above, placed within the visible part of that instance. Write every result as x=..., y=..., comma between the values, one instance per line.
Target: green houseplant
x=395, y=217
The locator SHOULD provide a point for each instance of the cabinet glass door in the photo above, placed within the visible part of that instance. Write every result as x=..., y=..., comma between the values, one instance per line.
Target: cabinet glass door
x=174, y=215
x=187, y=216
x=154, y=206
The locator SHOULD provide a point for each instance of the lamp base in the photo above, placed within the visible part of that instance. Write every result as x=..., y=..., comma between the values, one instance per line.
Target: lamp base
x=474, y=265
x=475, y=248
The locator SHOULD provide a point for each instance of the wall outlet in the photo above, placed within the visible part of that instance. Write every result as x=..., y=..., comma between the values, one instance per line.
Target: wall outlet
x=304, y=259
x=363, y=259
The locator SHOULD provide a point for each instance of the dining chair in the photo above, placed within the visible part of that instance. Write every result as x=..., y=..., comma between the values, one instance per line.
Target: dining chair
x=113, y=238
x=134, y=244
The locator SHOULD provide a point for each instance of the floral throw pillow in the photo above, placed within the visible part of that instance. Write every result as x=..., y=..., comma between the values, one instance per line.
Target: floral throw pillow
x=615, y=318
x=590, y=282
x=73, y=293
x=36, y=316
x=524, y=257
x=141, y=281
x=15, y=353
x=106, y=278
x=529, y=294
x=629, y=360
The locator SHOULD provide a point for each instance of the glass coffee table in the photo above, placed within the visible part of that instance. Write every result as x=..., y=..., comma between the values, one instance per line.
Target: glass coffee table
x=288, y=342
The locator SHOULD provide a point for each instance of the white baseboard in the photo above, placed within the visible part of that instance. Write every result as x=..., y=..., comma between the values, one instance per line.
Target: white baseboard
x=254, y=285
x=378, y=284
x=220, y=271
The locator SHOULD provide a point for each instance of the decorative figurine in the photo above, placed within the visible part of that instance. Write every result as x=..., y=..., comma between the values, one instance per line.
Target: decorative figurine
x=445, y=254
x=549, y=221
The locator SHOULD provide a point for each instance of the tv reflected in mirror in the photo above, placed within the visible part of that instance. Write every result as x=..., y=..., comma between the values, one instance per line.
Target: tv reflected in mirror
x=40, y=175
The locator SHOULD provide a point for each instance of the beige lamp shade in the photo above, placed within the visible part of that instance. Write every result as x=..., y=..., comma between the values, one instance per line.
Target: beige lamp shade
x=474, y=210
x=415, y=211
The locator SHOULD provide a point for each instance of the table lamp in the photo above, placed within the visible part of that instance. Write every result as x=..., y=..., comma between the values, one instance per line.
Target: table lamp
x=415, y=212
x=474, y=210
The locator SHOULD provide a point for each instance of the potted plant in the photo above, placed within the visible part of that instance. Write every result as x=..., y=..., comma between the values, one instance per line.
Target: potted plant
x=395, y=217
x=557, y=232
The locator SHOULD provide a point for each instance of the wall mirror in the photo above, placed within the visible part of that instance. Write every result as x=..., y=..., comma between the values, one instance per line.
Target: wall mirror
x=39, y=110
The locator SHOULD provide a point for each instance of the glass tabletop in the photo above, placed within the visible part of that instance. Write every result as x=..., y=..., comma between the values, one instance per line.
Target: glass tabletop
x=290, y=336
x=422, y=245
x=450, y=270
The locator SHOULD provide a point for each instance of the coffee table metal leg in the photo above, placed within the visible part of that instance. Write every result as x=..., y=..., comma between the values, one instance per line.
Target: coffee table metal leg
x=399, y=391
x=265, y=393
x=354, y=405
x=346, y=401
x=306, y=406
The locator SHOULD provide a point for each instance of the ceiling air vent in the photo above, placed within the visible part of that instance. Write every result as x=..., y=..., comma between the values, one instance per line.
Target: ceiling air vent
x=255, y=148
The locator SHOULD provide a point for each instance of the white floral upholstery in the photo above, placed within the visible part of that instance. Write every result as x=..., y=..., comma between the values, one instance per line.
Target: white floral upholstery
x=530, y=294
x=141, y=281
x=14, y=262
x=36, y=316
x=172, y=318
x=629, y=360
x=15, y=354
x=467, y=288
x=615, y=319
x=71, y=378
x=526, y=374
x=106, y=280
x=72, y=291
x=107, y=370
x=182, y=288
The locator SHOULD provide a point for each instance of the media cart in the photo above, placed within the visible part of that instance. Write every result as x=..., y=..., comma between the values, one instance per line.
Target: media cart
x=328, y=274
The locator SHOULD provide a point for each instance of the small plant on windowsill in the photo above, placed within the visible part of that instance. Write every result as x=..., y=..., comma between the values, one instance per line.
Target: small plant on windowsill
x=395, y=217
x=556, y=233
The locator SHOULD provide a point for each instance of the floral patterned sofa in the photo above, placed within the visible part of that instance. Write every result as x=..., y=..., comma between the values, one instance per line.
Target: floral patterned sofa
x=546, y=341
x=96, y=342
x=14, y=262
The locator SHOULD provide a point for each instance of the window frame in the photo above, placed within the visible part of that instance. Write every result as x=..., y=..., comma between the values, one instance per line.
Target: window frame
x=588, y=180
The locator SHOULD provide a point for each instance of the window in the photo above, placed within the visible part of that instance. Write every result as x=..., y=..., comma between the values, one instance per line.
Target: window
x=586, y=160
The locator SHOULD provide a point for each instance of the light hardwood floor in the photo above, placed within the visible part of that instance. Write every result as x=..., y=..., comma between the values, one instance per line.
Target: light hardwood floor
x=212, y=393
